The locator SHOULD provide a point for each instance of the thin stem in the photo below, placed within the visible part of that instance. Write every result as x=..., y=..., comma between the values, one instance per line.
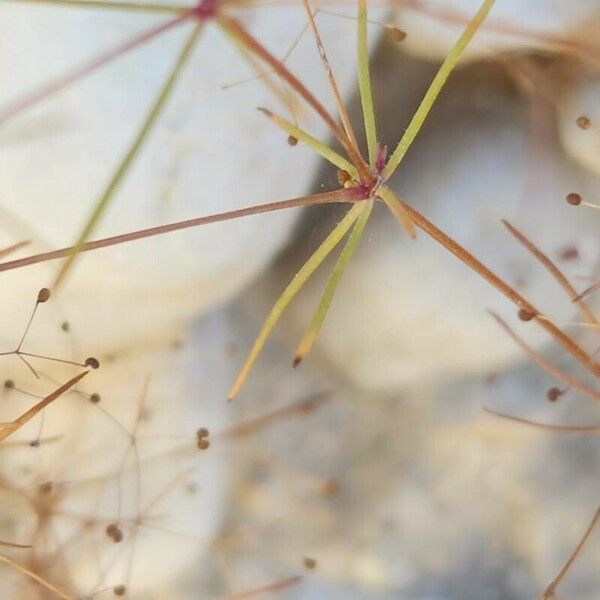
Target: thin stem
x=9, y=429
x=13, y=248
x=235, y=28
x=337, y=196
x=544, y=426
x=346, y=124
x=364, y=83
x=349, y=248
x=300, y=278
x=468, y=259
x=435, y=88
x=29, y=573
x=129, y=158
x=545, y=365
x=386, y=194
x=78, y=73
x=106, y=4
x=313, y=143
x=585, y=311
x=549, y=591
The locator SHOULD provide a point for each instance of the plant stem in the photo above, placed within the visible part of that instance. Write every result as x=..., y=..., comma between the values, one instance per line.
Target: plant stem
x=349, y=248
x=129, y=158
x=466, y=257
x=341, y=196
x=299, y=279
x=106, y=4
x=364, y=83
x=435, y=88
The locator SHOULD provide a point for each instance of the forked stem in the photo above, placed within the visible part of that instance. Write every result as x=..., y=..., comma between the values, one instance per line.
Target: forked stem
x=300, y=278
x=349, y=248
x=476, y=265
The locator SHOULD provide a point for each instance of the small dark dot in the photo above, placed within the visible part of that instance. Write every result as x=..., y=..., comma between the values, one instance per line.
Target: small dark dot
x=292, y=141
x=525, y=315
x=95, y=398
x=573, y=199
x=569, y=253
x=43, y=295
x=34, y=443
x=331, y=487
x=203, y=444
x=119, y=590
x=92, y=362
x=65, y=326
x=583, y=122
x=397, y=35
x=309, y=563
x=202, y=433
x=9, y=384
x=343, y=176
x=45, y=488
x=113, y=532
x=118, y=537
x=553, y=394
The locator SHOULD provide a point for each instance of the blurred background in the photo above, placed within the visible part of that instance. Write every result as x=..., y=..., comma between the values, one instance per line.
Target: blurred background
x=373, y=470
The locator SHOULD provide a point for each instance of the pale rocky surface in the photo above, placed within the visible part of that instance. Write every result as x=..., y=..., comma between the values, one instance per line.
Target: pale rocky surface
x=580, y=121
x=400, y=317
x=127, y=457
x=390, y=476
x=212, y=151
x=411, y=496
x=512, y=26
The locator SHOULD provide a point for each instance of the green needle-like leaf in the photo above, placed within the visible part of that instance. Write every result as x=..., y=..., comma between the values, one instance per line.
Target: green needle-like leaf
x=129, y=158
x=301, y=277
x=364, y=83
x=111, y=5
x=397, y=210
x=315, y=326
x=319, y=147
x=435, y=88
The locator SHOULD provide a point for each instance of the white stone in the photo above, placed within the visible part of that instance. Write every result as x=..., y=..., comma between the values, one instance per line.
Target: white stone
x=582, y=143
x=408, y=312
x=433, y=27
x=211, y=152
x=131, y=460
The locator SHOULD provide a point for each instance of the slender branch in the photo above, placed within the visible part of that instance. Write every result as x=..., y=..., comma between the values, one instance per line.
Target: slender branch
x=549, y=592
x=107, y=4
x=545, y=365
x=341, y=106
x=340, y=267
x=364, y=83
x=29, y=573
x=435, y=88
x=545, y=426
x=587, y=314
x=473, y=263
x=288, y=294
x=234, y=28
x=337, y=196
x=10, y=428
x=129, y=158
x=313, y=143
x=34, y=97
